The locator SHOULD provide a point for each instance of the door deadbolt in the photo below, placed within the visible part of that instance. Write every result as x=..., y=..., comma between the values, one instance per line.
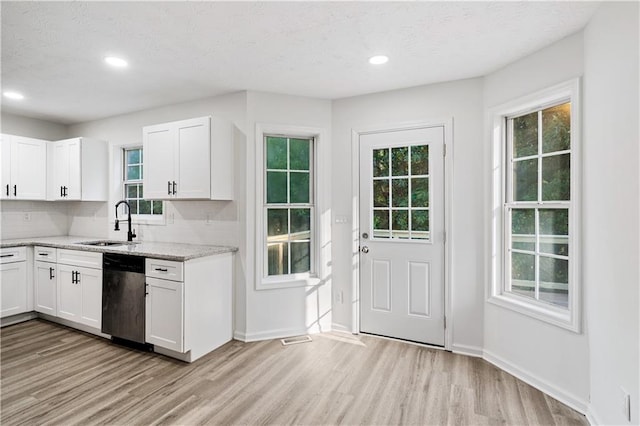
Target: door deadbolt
x=365, y=235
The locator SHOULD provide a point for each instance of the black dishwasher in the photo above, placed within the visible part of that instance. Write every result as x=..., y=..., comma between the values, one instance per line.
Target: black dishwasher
x=123, y=296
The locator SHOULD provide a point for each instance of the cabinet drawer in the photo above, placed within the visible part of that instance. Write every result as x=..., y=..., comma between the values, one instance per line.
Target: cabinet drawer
x=45, y=254
x=164, y=269
x=13, y=254
x=87, y=259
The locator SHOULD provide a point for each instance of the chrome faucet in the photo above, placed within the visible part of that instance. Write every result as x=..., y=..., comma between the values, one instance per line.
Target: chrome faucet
x=130, y=234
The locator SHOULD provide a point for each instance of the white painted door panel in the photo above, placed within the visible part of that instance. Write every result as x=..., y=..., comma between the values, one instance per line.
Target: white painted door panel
x=45, y=288
x=158, y=148
x=13, y=288
x=69, y=294
x=29, y=168
x=164, y=314
x=194, y=166
x=402, y=234
x=74, y=185
x=90, y=281
x=60, y=166
x=5, y=162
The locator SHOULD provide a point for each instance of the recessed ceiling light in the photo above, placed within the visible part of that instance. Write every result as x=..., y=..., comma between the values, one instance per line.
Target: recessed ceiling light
x=13, y=95
x=116, y=62
x=378, y=60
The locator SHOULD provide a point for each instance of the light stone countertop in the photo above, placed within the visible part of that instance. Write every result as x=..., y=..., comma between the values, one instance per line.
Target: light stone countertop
x=170, y=251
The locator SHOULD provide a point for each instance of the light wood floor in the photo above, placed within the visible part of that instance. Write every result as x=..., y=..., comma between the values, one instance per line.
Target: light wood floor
x=55, y=375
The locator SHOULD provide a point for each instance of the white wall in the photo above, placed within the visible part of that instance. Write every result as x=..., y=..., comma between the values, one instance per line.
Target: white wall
x=288, y=311
x=611, y=210
x=45, y=219
x=32, y=127
x=553, y=358
x=462, y=101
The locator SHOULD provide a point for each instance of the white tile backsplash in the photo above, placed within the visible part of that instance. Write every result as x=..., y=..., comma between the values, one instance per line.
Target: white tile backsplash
x=24, y=219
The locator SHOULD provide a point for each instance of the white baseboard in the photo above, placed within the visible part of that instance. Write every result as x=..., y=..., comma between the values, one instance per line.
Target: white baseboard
x=592, y=418
x=341, y=328
x=566, y=398
x=468, y=350
x=274, y=334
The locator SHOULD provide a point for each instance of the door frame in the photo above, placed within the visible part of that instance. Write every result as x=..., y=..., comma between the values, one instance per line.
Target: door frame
x=447, y=125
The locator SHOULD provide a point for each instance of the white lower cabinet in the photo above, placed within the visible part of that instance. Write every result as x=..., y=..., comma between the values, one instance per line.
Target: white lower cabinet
x=46, y=288
x=188, y=306
x=14, y=289
x=13, y=277
x=164, y=314
x=79, y=295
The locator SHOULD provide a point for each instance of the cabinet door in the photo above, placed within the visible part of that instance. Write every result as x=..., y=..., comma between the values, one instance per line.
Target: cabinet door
x=74, y=184
x=91, y=296
x=193, y=171
x=159, y=153
x=69, y=294
x=13, y=288
x=60, y=165
x=45, y=283
x=164, y=314
x=29, y=168
x=5, y=173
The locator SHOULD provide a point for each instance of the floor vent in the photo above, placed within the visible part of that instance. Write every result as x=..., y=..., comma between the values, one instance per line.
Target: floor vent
x=295, y=340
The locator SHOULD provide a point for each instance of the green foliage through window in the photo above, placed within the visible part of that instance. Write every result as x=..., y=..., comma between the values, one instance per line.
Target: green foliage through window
x=539, y=202
x=133, y=190
x=401, y=192
x=289, y=204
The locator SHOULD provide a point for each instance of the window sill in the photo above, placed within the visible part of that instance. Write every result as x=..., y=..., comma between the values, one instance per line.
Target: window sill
x=559, y=317
x=288, y=281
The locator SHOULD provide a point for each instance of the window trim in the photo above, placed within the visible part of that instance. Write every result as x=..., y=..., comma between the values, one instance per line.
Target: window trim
x=317, y=275
x=137, y=219
x=571, y=317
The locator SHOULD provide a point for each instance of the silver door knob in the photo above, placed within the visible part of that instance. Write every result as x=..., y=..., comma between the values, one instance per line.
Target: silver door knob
x=365, y=249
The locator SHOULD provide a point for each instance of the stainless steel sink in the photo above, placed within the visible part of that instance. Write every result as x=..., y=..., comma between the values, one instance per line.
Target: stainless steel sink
x=106, y=243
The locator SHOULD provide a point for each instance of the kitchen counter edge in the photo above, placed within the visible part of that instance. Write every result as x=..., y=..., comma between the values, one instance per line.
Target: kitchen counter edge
x=155, y=250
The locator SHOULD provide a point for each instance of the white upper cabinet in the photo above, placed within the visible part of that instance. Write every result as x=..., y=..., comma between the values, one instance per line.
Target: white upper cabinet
x=189, y=159
x=24, y=168
x=79, y=170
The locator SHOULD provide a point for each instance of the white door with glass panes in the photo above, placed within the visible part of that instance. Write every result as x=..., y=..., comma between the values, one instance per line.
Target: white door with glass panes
x=402, y=234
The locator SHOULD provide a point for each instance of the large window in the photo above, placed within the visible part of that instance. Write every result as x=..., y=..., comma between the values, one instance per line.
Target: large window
x=133, y=189
x=538, y=260
x=289, y=205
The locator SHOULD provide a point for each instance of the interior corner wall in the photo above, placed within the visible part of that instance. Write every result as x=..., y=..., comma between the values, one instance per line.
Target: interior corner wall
x=611, y=210
x=274, y=313
x=552, y=358
x=19, y=125
x=457, y=100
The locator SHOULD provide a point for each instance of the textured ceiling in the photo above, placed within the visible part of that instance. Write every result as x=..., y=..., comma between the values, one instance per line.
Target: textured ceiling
x=179, y=51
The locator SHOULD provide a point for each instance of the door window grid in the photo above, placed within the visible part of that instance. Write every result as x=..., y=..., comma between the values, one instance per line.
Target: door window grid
x=289, y=207
x=132, y=186
x=538, y=205
x=401, y=195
